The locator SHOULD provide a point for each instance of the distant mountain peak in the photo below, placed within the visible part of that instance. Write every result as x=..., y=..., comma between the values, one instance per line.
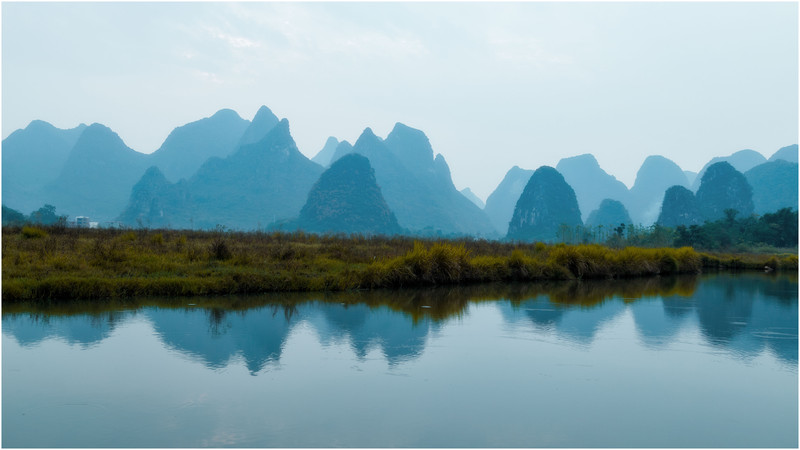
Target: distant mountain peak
x=226, y=112
x=412, y=147
x=586, y=158
x=367, y=137
x=545, y=204
x=346, y=198
x=325, y=156
x=788, y=153
x=262, y=123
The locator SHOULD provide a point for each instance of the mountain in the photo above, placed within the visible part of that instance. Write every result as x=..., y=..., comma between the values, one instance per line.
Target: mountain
x=467, y=192
x=546, y=203
x=679, y=208
x=347, y=199
x=413, y=150
x=774, y=185
x=500, y=204
x=743, y=160
x=610, y=213
x=96, y=179
x=654, y=177
x=591, y=183
x=788, y=153
x=418, y=187
x=258, y=184
x=263, y=122
x=155, y=202
x=189, y=146
x=324, y=156
x=721, y=188
x=690, y=176
x=33, y=157
x=342, y=149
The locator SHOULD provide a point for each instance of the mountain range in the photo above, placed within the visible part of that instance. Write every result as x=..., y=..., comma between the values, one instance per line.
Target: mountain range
x=226, y=170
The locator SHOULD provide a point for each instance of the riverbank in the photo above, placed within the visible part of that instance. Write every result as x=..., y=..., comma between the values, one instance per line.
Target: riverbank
x=69, y=263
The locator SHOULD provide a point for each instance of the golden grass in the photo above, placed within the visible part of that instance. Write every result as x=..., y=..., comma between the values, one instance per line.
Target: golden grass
x=61, y=264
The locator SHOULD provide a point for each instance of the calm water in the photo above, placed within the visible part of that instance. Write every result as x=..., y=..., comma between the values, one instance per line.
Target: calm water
x=693, y=362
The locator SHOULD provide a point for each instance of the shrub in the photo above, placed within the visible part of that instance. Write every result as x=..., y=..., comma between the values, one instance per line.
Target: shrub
x=29, y=232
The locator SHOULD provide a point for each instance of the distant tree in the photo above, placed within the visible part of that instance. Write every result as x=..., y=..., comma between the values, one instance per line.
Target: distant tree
x=12, y=217
x=46, y=215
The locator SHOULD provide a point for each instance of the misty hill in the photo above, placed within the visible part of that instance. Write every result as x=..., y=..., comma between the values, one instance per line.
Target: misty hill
x=721, y=188
x=743, y=160
x=690, y=176
x=189, y=146
x=467, y=192
x=324, y=156
x=263, y=122
x=258, y=184
x=591, y=183
x=32, y=158
x=342, y=149
x=774, y=185
x=155, y=202
x=654, y=177
x=501, y=203
x=96, y=179
x=679, y=208
x=609, y=213
x=788, y=153
x=416, y=186
x=546, y=203
x=347, y=199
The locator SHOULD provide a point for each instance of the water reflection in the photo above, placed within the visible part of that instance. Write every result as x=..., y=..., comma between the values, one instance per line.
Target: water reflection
x=742, y=314
x=84, y=330
x=217, y=336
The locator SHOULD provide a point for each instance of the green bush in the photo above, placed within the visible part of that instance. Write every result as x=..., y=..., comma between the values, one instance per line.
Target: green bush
x=29, y=232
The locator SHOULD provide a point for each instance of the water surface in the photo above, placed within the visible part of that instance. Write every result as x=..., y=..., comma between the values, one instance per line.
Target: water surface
x=664, y=362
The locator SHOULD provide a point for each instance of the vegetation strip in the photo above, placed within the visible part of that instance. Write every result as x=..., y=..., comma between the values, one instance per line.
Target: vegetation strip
x=59, y=263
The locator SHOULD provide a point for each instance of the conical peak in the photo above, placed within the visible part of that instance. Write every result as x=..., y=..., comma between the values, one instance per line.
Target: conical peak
x=36, y=125
x=367, y=137
x=657, y=163
x=264, y=112
x=722, y=167
x=351, y=161
x=547, y=170
x=226, y=113
x=153, y=174
x=97, y=132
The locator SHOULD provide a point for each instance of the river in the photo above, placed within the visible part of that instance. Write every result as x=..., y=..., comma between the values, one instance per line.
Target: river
x=706, y=361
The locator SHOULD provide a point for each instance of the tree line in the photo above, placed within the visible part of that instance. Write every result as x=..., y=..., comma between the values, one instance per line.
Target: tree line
x=730, y=233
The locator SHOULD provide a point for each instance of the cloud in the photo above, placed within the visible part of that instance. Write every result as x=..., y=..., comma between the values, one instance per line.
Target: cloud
x=236, y=41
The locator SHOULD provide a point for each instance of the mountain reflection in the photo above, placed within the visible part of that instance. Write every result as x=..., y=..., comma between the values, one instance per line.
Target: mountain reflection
x=365, y=328
x=741, y=314
x=84, y=329
x=216, y=336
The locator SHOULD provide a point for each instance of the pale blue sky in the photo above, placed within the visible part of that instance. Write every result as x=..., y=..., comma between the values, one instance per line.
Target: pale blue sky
x=492, y=84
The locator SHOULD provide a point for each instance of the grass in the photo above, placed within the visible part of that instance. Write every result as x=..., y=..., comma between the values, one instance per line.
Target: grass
x=66, y=263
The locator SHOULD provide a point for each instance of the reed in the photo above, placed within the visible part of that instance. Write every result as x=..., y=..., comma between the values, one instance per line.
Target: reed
x=40, y=263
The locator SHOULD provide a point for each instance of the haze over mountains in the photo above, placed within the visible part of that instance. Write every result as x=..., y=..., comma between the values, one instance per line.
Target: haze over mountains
x=226, y=170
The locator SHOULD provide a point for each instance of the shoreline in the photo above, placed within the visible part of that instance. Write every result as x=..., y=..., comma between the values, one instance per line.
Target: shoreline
x=64, y=264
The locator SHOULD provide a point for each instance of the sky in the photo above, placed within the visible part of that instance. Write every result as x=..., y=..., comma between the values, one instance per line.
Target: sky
x=492, y=85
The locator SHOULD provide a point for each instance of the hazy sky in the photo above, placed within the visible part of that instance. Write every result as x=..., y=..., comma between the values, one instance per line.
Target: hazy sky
x=493, y=85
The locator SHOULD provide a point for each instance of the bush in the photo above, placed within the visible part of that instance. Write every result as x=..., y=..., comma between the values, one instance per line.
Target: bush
x=29, y=232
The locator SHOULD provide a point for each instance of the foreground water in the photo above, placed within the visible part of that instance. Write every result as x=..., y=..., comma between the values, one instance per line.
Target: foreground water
x=698, y=362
